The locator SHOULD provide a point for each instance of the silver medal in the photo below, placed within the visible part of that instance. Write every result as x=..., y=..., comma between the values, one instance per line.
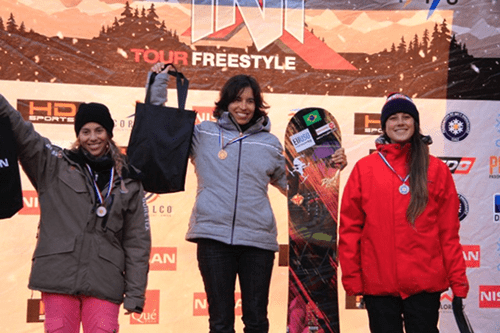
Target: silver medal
x=101, y=211
x=404, y=189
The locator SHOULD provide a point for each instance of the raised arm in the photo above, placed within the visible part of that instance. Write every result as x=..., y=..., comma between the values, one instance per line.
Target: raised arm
x=159, y=87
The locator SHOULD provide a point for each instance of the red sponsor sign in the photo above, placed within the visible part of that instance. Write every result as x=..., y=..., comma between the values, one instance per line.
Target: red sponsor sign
x=151, y=313
x=163, y=259
x=204, y=113
x=30, y=203
x=459, y=165
x=200, y=304
x=472, y=255
x=489, y=296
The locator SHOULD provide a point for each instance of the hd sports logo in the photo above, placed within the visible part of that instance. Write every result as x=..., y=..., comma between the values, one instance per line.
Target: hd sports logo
x=455, y=126
x=54, y=112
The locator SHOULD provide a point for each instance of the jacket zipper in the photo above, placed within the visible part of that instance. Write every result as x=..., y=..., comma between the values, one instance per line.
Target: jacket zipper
x=237, y=188
x=80, y=284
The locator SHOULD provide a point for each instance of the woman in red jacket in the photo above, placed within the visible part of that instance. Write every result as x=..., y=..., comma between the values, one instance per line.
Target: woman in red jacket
x=399, y=245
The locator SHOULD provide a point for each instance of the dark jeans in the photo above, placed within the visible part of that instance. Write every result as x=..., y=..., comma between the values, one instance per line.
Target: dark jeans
x=219, y=264
x=419, y=313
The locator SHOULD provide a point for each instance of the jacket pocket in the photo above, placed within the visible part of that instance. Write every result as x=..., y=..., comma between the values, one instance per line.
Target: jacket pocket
x=113, y=255
x=72, y=177
x=56, y=245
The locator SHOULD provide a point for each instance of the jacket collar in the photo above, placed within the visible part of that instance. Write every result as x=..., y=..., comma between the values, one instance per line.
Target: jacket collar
x=391, y=150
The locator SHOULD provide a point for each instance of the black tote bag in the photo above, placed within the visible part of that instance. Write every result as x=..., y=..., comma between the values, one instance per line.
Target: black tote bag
x=160, y=140
x=11, y=197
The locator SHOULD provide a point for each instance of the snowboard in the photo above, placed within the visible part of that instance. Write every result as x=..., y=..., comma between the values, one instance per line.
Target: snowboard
x=311, y=138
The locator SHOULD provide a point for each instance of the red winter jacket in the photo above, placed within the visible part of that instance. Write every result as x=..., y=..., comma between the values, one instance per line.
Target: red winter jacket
x=379, y=251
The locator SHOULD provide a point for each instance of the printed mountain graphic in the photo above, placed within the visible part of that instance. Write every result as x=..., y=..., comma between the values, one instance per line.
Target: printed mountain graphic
x=482, y=30
x=432, y=65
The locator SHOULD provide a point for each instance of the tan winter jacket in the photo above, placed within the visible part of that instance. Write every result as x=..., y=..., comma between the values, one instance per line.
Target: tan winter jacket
x=77, y=252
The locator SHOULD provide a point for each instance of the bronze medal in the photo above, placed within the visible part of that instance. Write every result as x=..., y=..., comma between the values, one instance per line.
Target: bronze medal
x=222, y=154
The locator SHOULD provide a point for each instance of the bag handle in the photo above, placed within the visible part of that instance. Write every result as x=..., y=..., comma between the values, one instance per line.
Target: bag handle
x=182, y=86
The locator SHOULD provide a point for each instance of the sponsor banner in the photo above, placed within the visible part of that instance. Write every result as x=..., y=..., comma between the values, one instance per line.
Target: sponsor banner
x=30, y=204
x=343, y=56
x=367, y=123
x=53, y=112
x=472, y=255
x=496, y=208
x=446, y=299
x=494, y=167
x=455, y=126
x=200, y=304
x=489, y=296
x=459, y=165
x=151, y=312
x=163, y=259
x=158, y=207
x=204, y=113
x=463, y=208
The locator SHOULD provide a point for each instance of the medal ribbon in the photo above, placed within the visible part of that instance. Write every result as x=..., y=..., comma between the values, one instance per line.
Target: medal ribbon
x=96, y=188
x=390, y=167
x=221, y=139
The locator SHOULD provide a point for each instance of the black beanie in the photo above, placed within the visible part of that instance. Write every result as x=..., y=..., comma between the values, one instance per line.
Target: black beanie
x=94, y=113
x=395, y=103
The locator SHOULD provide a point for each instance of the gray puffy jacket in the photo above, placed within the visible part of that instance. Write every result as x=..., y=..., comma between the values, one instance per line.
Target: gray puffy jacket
x=232, y=203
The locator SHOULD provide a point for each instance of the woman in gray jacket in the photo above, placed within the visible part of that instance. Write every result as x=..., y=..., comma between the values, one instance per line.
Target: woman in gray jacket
x=232, y=222
x=94, y=241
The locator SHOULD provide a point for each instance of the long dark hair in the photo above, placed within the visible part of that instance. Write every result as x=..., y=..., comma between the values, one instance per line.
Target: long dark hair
x=233, y=88
x=418, y=166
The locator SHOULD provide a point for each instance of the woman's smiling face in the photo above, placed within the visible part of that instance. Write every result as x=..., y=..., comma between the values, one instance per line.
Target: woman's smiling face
x=243, y=107
x=93, y=138
x=400, y=127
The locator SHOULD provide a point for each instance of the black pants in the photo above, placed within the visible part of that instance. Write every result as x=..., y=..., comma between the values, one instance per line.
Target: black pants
x=419, y=313
x=219, y=264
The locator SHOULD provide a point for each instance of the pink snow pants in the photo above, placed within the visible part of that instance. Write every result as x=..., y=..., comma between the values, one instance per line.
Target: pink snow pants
x=63, y=314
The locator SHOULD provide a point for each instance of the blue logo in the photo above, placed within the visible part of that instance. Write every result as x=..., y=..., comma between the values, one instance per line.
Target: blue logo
x=463, y=208
x=455, y=126
x=496, y=209
x=433, y=8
